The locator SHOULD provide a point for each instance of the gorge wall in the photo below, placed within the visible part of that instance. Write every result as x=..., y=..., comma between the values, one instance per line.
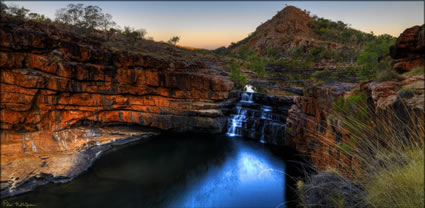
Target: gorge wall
x=61, y=94
x=65, y=100
x=409, y=50
x=313, y=133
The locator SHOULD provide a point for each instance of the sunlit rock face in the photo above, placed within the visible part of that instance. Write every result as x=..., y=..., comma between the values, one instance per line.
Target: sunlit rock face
x=52, y=83
x=409, y=50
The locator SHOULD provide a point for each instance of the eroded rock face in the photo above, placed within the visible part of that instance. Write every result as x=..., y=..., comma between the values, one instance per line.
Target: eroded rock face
x=53, y=83
x=312, y=134
x=312, y=130
x=409, y=50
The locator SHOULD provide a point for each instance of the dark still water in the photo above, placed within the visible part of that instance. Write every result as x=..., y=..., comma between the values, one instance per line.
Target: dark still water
x=175, y=171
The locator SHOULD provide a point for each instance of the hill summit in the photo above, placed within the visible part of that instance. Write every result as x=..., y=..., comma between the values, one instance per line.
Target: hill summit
x=280, y=31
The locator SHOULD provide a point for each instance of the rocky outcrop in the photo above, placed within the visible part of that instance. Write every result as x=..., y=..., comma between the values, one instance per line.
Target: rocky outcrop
x=329, y=189
x=409, y=50
x=311, y=132
x=60, y=94
x=310, y=128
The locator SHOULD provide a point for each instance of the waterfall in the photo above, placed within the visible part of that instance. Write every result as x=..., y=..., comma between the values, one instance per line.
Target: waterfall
x=259, y=120
x=237, y=122
x=247, y=97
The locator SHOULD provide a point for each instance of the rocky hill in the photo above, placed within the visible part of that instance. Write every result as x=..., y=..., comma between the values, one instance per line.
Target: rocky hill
x=301, y=41
x=287, y=27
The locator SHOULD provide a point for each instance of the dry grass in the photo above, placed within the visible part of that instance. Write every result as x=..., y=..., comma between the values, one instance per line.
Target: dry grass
x=419, y=70
x=399, y=185
x=389, y=148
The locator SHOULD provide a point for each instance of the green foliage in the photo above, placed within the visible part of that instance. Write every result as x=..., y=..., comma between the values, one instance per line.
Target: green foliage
x=324, y=75
x=338, y=31
x=399, y=185
x=368, y=58
x=257, y=64
x=173, y=40
x=273, y=53
x=244, y=52
x=236, y=76
x=355, y=109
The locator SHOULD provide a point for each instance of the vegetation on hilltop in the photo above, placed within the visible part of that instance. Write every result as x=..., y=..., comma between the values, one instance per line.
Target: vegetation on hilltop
x=332, y=51
x=89, y=22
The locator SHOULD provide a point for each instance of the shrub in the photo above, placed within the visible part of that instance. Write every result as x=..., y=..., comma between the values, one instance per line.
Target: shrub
x=324, y=75
x=173, y=40
x=244, y=52
x=419, y=70
x=236, y=76
x=386, y=75
x=133, y=35
x=257, y=64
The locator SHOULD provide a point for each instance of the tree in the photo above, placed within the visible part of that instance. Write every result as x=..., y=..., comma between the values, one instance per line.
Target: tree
x=3, y=8
x=174, y=40
x=368, y=59
x=71, y=15
x=16, y=11
x=107, y=25
x=93, y=17
x=141, y=33
x=89, y=17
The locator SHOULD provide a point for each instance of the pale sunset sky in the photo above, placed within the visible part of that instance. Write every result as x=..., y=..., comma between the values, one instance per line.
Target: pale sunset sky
x=212, y=24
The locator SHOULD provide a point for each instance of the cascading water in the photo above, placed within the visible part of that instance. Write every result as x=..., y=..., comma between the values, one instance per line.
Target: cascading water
x=237, y=122
x=259, y=117
x=247, y=97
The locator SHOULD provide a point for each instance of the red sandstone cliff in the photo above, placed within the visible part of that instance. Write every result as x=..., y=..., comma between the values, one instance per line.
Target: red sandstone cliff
x=59, y=92
x=409, y=50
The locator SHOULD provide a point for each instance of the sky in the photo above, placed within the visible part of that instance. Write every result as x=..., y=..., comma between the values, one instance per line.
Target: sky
x=212, y=24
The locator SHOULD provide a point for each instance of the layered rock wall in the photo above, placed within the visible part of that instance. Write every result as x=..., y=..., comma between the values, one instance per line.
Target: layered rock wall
x=313, y=132
x=409, y=50
x=59, y=94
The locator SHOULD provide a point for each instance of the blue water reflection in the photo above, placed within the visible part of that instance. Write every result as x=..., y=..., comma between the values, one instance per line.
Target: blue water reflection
x=188, y=171
x=250, y=178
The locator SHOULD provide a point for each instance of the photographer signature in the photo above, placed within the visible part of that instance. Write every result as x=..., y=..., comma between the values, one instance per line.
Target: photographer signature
x=6, y=203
